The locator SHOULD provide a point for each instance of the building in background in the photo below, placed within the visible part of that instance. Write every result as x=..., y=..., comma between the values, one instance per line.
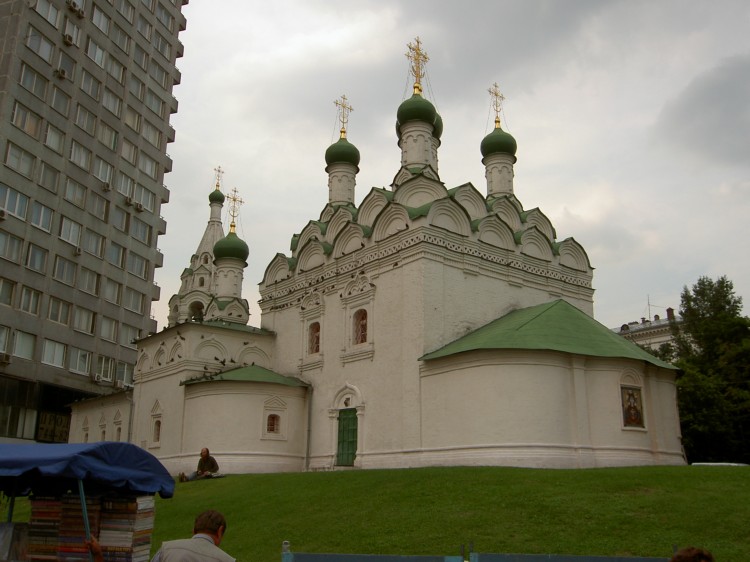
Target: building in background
x=84, y=124
x=651, y=334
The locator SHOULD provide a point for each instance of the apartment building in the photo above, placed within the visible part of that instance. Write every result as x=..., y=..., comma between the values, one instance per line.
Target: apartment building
x=85, y=103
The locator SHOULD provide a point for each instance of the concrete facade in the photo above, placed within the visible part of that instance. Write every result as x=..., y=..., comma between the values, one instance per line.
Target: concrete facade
x=84, y=122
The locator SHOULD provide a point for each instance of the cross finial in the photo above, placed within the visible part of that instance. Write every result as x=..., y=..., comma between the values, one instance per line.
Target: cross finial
x=344, y=108
x=417, y=59
x=497, y=102
x=219, y=173
x=234, y=207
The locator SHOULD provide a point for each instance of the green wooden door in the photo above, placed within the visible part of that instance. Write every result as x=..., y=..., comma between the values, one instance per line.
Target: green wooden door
x=347, y=448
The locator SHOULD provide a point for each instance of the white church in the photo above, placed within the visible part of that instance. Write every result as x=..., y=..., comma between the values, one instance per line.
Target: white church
x=428, y=326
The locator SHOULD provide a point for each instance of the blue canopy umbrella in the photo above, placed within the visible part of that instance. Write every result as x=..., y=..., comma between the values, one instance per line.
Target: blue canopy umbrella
x=58, y=468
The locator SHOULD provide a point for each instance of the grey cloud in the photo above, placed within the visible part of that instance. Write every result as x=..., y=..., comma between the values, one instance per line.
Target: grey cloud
x=711, y=116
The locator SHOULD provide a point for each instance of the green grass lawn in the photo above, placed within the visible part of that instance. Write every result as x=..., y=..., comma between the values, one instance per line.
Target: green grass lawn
x=622, y=511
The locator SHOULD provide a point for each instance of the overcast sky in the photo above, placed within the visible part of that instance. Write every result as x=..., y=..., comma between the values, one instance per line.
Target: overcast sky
x=632, y=120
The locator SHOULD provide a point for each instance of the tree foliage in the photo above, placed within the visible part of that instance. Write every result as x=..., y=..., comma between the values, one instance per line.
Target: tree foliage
x=712, y=348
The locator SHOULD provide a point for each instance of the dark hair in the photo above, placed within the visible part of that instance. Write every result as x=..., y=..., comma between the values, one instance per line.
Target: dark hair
x=210, y=521
x=692, y=554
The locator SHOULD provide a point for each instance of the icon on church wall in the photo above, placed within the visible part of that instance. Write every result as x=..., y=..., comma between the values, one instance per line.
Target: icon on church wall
x=632, y=407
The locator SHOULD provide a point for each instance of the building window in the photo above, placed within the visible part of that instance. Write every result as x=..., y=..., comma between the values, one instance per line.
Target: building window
x=313, y=345
x=53, y=353
x=79, y=361
x=13, y=202
x=38, y=43
x=140, y=57
x=10, y=247
x=49, y=177
x=107, y=136
x=116, y=70
x=7, y=287
x=65, y=271
x=80, y=156
x=23, y=345
x=54, y=139
x=124, y=372
x=20, y=160
x=74, y=192
x=133, y=120
x=158, y=73
x=126, y=9
x=162, y=45
x=360, y=326
x=88, y=281
x=151, y=134
x=59, y=311
x=83, y=320
x=112, y=102
x=135, y=86
x=137, y=265
x=33, y=81
x=95, y=52
x=36, y=258
x=108, y=329
x=120, y=219
x=144, y=197
x=98, y=206
x=125, y=184
x=47, y=11
x=41, y=216
x=115, y=254
x=70, y=231
x=632, y=406
x=66, y=67
x=105, y=368
x=26, y=120
x=100, y=20
x=112, y=291
x=60, y=101
x=140, y=230
x=154, y=102
x=85, y=119
x=72, y=30
x=93, y=243
x=90, y=85
x=273, y=424
x=133, y=300
x=103, y=170
x=30, y=300
x=4, y=338
x=121, y=38
x=156, y=436
x=129, y=152
x=164, y=17
x=148, y=165
x=128, y=335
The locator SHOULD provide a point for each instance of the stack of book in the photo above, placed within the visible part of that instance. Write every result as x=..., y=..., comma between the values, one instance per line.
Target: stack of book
x=126, y=526
x=72, y=531
x=44, y=527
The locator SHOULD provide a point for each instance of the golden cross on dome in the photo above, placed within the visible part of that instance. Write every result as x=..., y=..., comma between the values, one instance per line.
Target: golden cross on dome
x=234, y=207
x=344, y=108
x=417, y=59
x=219, y=173
x=497, y=102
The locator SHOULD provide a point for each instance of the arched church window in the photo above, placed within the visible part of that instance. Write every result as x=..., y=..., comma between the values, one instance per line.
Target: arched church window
x=118, y=436
x=157, y=431
x=86, y=437
x=360, y=326
x=273, y=423
x=104, y=435
x=201, y=282
x=313, y=345
x=205, y=259
x=196, y=311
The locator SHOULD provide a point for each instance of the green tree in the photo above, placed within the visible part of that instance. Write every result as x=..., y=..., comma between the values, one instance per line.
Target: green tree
x=712, y=349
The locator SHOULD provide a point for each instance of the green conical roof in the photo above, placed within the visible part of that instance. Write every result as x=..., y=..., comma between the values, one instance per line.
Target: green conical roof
x=342, y=151
x=553, y=326
x=231, y=247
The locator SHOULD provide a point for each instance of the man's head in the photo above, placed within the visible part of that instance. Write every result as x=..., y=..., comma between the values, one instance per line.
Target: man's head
x=692, y=554
x=204, y=452
x=211, y=523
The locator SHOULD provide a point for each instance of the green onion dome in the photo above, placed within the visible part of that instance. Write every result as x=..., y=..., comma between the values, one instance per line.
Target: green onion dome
x=498, y=142
x=342, y=151
x=416, y=108
x=216, y=196
x=231, y=247
x=437, y=130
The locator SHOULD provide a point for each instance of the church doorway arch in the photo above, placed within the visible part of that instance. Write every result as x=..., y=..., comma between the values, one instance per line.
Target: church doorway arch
x=196, y=311
x=347, y=414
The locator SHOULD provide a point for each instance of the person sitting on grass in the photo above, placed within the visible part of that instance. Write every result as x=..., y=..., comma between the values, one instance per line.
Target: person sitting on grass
x=207, y=468
x=692, y=554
